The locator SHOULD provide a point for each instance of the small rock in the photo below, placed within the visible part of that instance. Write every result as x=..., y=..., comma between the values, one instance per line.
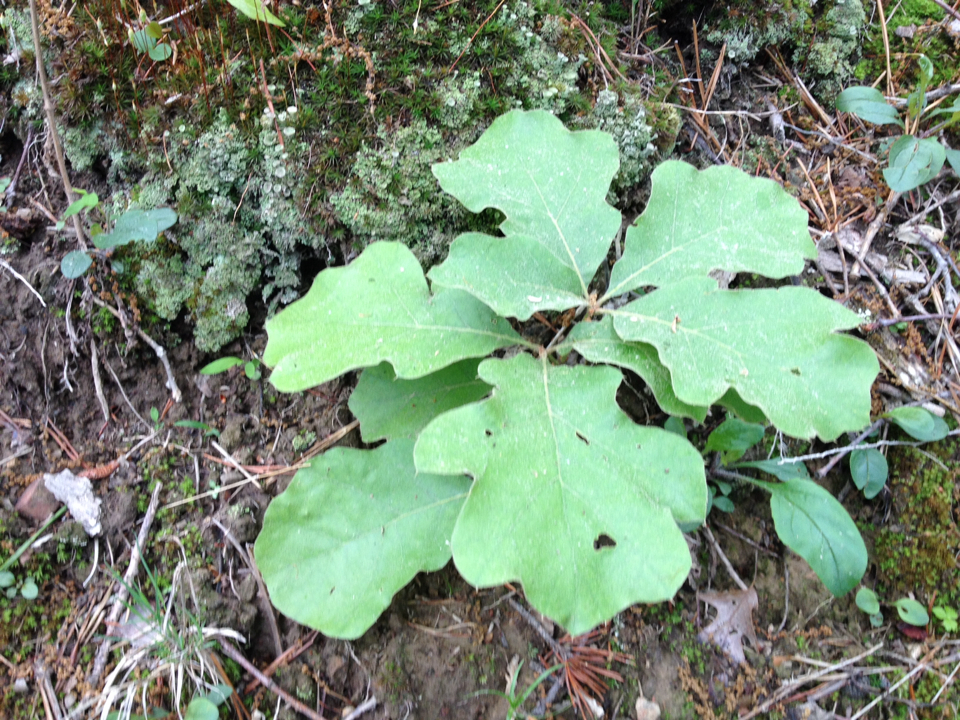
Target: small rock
x=20, y=685
x=37, y=503
x=647, y=710
x=906, y=31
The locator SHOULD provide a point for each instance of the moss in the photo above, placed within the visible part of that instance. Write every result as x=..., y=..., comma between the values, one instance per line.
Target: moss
x=917, y=553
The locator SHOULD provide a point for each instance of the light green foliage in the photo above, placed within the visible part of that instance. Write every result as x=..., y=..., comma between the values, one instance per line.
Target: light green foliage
x=868, y=469
x=553, y=438
x=457, y=95
x=390, y=522
x=564, y=492
x=392, y=408
x=919, y=423
x=239, y=223
x=392, y=316
x=552, y=246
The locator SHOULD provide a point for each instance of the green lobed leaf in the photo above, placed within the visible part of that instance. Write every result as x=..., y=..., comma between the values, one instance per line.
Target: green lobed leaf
x=378, y=309
x=913, y=162
x=867, y=601
x=919, y=423
x=812, y=523
x=598, y=342
x=570, y=497
x=75, y=263
x=912, y=612
x=868, y=104
x=144, y=225
x=388, y=407
x=733, y=438
x=719, y=218
x=776, y=348
x=350, y=531
x=784, y=471
x=551, y=184
x=868, y=468
x=255, y=10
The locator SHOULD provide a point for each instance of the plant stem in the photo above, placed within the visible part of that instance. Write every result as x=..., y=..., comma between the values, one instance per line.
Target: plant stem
x=52, y=121
x=33, y=538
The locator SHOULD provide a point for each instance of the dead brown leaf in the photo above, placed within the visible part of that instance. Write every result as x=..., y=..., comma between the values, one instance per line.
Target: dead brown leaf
x=733, y=622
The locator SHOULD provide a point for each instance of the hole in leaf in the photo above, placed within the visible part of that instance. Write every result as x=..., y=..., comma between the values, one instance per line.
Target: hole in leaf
x=604, y=541
x=488, y=433
x=583, y=438
x=795, y=371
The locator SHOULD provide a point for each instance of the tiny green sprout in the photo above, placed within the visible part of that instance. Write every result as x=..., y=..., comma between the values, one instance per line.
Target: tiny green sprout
x=196, y=425
x=251, y=368
x=947, y=617
x=510, y=696
x=155, y=417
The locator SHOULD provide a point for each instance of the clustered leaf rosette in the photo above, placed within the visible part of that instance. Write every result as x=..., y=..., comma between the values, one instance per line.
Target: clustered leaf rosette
x=519, y=466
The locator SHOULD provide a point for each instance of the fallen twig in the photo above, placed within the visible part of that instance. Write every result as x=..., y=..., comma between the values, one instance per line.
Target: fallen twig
x=21, y=278
x=100, y=661
x=235, y=655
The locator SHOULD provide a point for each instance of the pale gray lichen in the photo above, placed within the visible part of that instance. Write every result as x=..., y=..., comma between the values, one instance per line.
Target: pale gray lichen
x=393, y=194
x=830, y=57
x=634, y=138
x=238, y=224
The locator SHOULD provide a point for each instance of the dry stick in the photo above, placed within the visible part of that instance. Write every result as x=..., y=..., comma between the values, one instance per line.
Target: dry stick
x=948, y=9
x=874, y=227
x=291, y=652
x=97, y=382
x=22, y=279
x=726, y=563
x=126, y=399
x=886, y=45
x=822, y=472
x=157, y=348
x=926, y=211
x=922, y=665
x=803, y=680
x=52, y=120
x=235, y=655
x=100, y=661
x=363, y=707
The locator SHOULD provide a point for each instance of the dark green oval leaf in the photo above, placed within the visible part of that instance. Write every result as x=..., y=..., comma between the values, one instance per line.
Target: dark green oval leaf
x=869, y=471
x=919, y=423
x=75, y=264
x=868, y=104
x=912, y=612
x=733, y=438
x=913, y=161
x=867, y=601
x=811, y=522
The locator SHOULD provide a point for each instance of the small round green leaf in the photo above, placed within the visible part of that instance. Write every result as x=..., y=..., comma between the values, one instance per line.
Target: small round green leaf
x=29, y=590
x=869, y=471
x=912, y=612
x=160, y=52
x=154, y=30
x=251, y=369
x=724, y=504
x=6, y=579
x=75, y=264
x=733, y=438
x=142, y=41
x=919, y=423
x=913, y=161
x=221, y=365
x=676, y=426
x=201, y=709
x=867, y=601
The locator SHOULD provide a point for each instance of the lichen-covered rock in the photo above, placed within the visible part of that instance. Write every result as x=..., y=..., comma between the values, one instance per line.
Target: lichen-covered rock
x=634, y=137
